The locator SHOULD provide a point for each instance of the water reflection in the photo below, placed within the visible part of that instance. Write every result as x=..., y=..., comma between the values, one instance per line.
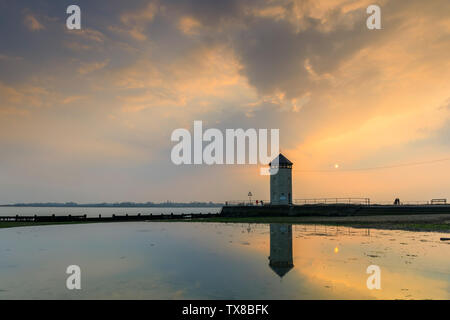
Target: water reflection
x=281, y=259
x=168, y=260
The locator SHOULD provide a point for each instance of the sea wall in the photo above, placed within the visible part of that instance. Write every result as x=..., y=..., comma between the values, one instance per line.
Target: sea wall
x=330, y=210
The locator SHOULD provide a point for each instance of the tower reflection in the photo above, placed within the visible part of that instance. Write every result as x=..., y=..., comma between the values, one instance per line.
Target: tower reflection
x=280, y=259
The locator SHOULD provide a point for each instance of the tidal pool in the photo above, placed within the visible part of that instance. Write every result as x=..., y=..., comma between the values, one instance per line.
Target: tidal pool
x=174, y=260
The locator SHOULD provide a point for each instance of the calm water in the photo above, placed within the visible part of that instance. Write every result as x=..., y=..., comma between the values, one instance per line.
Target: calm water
x=152, y=260
x=94, y=212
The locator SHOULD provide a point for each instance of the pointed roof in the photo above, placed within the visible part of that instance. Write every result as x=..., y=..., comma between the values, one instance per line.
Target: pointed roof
x=282, y=160
x=281, y=270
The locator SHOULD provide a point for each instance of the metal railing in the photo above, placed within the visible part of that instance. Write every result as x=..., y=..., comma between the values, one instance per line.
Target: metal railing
x=414, y=203
x=317, y=201
x=438, y=201
x=329, y=201
x=339, y=201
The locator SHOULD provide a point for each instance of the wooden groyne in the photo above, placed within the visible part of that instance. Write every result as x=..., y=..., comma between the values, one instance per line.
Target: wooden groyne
x=100, y=218
x=236, y=211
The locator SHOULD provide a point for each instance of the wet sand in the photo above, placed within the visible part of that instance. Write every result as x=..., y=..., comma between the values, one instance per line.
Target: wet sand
x=416, y=222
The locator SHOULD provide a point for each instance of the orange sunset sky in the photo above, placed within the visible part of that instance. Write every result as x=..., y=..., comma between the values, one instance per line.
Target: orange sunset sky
x=86, y=115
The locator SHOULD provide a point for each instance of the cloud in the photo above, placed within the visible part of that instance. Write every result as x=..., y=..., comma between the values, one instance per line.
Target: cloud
x=4, y=57
x=446, y=105
x=136, y=22
x=89, y=34
x=188, y=25
x=86, y=39
x=25, y=96
x=201, y=78
x=72, y=99
x=32, y=23
x=12, y=111
x=86, y=68
x=209, y=13
x=278, y=55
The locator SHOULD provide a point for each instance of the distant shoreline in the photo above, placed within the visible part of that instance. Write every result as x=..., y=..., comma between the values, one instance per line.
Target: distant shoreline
x=111, y=205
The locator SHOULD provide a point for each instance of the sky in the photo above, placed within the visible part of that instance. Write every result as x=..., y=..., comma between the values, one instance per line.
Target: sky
x=87, y=115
